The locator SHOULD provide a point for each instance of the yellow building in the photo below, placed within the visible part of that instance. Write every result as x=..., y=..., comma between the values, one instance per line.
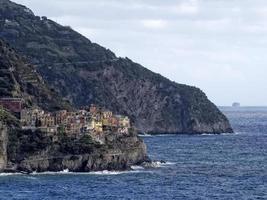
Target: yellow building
x=106, y=122
x=107, y=114
x=97, y=125
x=124, y=121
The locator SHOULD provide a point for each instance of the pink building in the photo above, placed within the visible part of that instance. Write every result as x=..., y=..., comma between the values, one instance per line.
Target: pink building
x=12, y=104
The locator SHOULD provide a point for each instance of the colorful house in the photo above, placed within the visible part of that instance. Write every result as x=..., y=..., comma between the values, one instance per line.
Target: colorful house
x=12, y=104
x=107, y=114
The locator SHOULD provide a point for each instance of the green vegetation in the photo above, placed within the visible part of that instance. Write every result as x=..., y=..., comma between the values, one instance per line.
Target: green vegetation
x=75, y=146
x=26, y=141
x=8, y=118
x=18, y=79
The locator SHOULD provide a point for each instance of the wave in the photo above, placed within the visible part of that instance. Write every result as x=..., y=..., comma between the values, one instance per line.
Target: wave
x=134, y=169
x=235, y=133
x=212, y=134
x=106, y=172
x=157, y=135
x=208, y=134
x=158, y=164
x=67, y=172
x=137, y=167
x=10, y=174
x=145, y=135
x=170, y=163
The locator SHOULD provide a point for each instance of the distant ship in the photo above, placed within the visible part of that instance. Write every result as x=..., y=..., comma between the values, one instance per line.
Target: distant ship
x=236, y=104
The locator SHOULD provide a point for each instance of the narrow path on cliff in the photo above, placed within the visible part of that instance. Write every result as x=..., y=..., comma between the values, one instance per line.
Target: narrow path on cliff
x=77, y=62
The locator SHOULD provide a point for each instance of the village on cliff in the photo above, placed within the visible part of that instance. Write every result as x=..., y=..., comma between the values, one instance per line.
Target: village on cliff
x=92, y=120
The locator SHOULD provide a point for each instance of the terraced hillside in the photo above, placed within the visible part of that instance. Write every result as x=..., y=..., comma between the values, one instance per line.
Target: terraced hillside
x=19, y=79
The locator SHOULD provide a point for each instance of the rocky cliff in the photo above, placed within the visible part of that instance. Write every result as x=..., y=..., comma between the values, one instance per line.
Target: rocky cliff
x=29, y=151
x=84, y=73
x=3, y=146
x=36, y=151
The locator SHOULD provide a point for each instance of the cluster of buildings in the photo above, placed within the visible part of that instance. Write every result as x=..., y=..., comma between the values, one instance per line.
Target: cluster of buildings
x=93, y=120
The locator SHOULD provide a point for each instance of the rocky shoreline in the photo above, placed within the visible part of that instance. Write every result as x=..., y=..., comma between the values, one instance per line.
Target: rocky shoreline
x=29, y=152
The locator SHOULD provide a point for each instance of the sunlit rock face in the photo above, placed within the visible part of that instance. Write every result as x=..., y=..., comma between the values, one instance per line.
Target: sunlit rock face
x=3, y=146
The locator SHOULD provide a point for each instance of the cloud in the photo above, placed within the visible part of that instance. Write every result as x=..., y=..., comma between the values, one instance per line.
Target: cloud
x=188, y=7
x=222, y=72
x=261, y=12
x=213, y=24
x=154, y=23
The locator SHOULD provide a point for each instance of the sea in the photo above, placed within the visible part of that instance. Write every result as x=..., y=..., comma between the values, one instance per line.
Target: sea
x=227, y=166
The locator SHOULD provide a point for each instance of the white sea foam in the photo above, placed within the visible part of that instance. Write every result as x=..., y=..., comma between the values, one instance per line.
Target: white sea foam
x=212, y=134
x=67, y=172
x=158, y=164
x=157, y=135
x=166, y=135
x=136, y=167
x=106, y=172
x=145, y=135
x=10, y=174
x=170, y=163
x=208, y=134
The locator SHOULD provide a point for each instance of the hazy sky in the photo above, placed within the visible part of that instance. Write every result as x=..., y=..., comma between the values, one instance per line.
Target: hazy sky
x=217, y=45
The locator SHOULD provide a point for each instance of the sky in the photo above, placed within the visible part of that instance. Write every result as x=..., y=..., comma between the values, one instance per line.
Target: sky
x=216, y=45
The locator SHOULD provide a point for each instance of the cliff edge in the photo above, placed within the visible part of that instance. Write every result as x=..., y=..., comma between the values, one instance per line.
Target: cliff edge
x=29, y=152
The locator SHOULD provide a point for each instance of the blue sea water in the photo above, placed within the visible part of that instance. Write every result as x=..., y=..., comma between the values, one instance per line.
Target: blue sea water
x=228, y=166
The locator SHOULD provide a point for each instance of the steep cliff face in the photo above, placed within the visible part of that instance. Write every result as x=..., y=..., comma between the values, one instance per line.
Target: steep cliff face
x=85, y=73
x=3, y=146
x=34, y=151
